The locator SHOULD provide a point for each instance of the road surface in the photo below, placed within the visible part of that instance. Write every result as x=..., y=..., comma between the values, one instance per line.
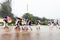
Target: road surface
x=45, y=33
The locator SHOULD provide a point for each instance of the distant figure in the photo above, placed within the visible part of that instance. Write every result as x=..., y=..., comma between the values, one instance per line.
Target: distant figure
x=17, y=24
x=58, y=23
x=26, y=21
x=5, y=22
x=29, y=25
x=38, y=24
x=51, y=24
x=25, y=28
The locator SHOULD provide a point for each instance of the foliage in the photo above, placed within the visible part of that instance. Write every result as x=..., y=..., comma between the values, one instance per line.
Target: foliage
x=44, y=21
x=27, y=16
x=6, y=9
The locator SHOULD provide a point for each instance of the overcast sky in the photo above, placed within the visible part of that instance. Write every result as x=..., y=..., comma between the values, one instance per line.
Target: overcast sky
x=40, y=8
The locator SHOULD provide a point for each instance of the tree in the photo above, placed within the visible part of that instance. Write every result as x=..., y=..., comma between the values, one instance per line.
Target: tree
x=31, y=17
x=6, y=9
x=44, y=21
x=27, y=16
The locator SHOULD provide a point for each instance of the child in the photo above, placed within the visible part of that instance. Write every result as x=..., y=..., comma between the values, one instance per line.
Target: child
x=58, y=23
x=17, y=24
x=25, y=28
x=51, y=24
x=38, y=25
x=30, y=23
x=5, y=22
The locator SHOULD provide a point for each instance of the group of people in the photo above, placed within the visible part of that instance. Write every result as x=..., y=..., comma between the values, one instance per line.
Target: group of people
x=25, y=22
x=54, y=22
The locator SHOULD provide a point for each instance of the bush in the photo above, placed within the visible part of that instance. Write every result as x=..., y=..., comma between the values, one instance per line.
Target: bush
x=1, y=24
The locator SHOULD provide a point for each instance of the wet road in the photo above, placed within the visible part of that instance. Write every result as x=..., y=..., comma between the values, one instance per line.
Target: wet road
x=44, y=34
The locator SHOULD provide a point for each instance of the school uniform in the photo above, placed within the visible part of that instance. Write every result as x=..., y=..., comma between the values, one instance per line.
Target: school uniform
x=26, y=24
x=38, y=24
x=17, y=23
x=51, y=24
x=5, y=22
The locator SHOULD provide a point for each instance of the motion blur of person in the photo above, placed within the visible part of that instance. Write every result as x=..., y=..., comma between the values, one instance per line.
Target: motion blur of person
x=51, y=24
x=25, y=28
x=38, y=24
x=58, y=23
x=17, y=24
x=5, y=22
x=29, y=25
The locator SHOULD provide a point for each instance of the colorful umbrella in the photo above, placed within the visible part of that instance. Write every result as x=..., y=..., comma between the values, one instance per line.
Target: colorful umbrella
x=9, y=19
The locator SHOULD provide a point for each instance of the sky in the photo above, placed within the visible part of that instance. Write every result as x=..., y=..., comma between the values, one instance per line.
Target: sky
x=41, y=8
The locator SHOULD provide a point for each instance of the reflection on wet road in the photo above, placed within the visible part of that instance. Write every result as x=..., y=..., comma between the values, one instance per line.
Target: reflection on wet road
x=34, y=35
x=20, y=36
x=31, y=36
